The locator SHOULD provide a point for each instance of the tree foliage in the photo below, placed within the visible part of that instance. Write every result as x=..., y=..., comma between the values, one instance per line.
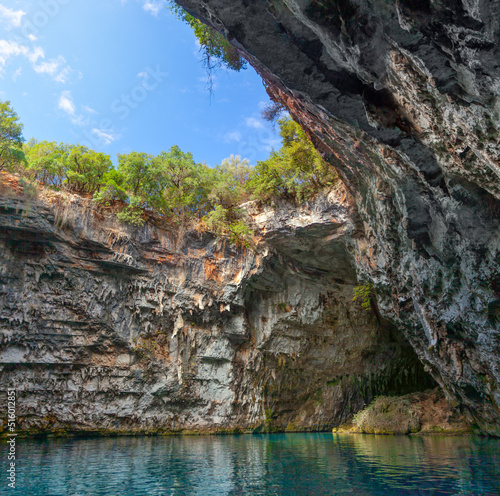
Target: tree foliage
x=216, y=50
x=295, y=172
x=171, y=186
x=11, y=137
x=85, y=169
x=46, y=162
x=228, y=185
x=182, y=182
x=134, y=170
x=74, y=167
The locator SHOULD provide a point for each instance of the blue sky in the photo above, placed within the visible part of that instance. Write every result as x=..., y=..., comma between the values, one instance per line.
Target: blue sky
x=123, y=75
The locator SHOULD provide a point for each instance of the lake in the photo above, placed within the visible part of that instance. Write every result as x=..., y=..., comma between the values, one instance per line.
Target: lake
x=278, y=464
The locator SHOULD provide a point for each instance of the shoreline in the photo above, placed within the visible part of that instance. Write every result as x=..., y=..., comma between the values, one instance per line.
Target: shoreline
x=246, y=432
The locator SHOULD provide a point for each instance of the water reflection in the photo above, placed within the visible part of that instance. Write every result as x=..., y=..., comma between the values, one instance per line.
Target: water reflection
x=428, y=465
x=285, y=464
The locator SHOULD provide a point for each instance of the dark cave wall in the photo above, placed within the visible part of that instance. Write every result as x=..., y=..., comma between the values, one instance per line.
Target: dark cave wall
x=402, y=98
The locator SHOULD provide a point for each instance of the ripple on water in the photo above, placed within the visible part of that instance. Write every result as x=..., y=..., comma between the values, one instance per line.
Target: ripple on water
x=281, y=464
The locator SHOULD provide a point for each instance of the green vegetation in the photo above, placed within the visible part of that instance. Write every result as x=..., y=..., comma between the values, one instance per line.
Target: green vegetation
x=78, y=168
x=388, y=415
x=295, y=172
x=268, y=416
x=11, y=138
x=364, y=292
x=171, y=188
x=216, y=50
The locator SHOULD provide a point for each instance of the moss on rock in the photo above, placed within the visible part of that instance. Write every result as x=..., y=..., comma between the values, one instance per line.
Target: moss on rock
x=424, y=413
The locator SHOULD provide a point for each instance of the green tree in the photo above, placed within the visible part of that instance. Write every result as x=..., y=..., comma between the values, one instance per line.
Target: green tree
x=46, y=162
x=11, y=138
x=133, y=178
x=225, y=192
x=133, y=212
x=229, y=222
x=295, y=172
x=227, y=182
x=237, y=167
x=178, y=183
x=86, y=169
x=135, y=169
x=112, y=189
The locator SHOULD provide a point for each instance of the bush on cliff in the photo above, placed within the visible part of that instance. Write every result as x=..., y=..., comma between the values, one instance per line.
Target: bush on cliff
x=231, y=223
x=11, y=138
x=133, y=212
x=171, y=186
x=85, y=169
x=46, y=162
x=295, y=172
x=112, y=189
x=74, y=167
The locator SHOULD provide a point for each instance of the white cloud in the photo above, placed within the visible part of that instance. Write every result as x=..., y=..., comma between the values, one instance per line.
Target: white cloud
x=232, y=136
x=55, y=68
x=153, y=6
x=255, y=123
x=12, y=18
x=37, y=53
x=32, y=37
x=63, y=76
x=10, y=49
x=50, y=66
x=17, y=74
x=80, y=120
x=66, y=103
x=105, y=135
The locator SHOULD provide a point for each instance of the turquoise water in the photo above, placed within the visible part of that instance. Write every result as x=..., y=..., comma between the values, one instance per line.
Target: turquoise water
x=280, y=464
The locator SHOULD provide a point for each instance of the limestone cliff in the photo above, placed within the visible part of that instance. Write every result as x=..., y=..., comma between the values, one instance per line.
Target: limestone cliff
x=106, y=328
x=402, y=97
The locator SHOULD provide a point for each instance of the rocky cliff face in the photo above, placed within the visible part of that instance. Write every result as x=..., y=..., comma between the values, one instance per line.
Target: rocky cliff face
x=106, y=328
x=402, y=98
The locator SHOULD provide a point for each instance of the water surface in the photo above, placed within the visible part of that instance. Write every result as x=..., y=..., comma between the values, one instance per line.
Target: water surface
x=280, y=464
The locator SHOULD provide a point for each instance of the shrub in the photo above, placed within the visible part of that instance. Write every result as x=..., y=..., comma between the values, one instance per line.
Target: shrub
x=295, y=172
x=240, y=233
x=226, y=222
x=109, y=193
x=364, y=292
x=132, y=213
x=30, y=190
x=134, y=173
